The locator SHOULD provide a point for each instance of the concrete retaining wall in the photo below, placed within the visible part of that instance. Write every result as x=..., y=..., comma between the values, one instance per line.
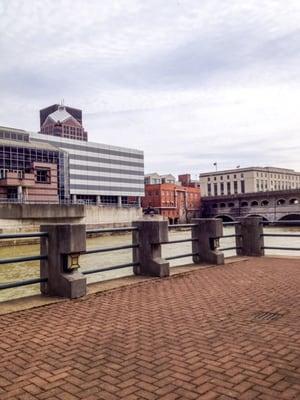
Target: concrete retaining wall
x=28, y=217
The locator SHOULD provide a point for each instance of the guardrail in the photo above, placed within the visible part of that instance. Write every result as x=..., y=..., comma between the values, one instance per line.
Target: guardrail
x=111, y=249
x=61, y=246
x=25, y=282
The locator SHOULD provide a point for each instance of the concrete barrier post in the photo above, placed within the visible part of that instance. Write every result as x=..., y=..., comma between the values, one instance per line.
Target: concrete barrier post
x=149, y=236
x=250, y=241
x=63, y=246
x=206, y=234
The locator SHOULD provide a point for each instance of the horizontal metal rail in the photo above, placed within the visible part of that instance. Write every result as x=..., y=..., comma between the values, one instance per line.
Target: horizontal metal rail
x=228, y=248
x=111, y=230
x=281, y=248
x=112, y=268
x=181, y=256
x=10, y=285
x=296, y=235
x=23, y=235
x=179, y=241
x=292, y=221
x=229, y=236
x=177, y=226
x=105, y=249
x=22, y=259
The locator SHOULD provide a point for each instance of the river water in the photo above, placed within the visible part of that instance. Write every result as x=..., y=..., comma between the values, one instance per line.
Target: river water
x=20, y=271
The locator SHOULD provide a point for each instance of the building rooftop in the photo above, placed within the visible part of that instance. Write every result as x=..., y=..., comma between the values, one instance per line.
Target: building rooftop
x=32, y=144
x=245, y=169
x=62, y=115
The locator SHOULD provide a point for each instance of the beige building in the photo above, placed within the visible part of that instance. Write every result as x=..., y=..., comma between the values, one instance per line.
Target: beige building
x=248, y=180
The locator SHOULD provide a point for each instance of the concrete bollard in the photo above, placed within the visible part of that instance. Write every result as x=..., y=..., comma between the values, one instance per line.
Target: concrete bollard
x=251, y=241
x=63, y=246
x=207, y=234
x=149, y=236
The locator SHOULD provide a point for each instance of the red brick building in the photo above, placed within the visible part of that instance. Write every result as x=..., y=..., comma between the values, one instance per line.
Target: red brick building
x=175, y=202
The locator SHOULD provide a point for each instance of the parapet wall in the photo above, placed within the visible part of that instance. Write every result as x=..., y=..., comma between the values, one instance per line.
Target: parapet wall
x=28, y=217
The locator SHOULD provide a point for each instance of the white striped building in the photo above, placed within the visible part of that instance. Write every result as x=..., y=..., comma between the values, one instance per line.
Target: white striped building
x=100, y=173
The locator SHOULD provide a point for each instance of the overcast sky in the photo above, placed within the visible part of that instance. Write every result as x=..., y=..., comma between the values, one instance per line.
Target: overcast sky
x=190, y=82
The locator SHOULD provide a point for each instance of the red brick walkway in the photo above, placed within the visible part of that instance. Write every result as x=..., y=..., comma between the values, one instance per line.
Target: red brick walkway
x=193, y=336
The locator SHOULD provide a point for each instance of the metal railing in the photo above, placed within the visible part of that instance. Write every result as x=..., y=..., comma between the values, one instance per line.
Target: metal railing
x=110, y=249
x=25, y=282
x=228, y=236
x=184, y=255
x=283, y=235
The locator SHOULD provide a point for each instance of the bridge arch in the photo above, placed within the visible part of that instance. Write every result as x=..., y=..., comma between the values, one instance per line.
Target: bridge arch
x=254, y=203
x=294, y=201
x=244, y=204
x=222, y=205
x=257, y=215
x=231, y=205
x=225, y=217
x=290, y=217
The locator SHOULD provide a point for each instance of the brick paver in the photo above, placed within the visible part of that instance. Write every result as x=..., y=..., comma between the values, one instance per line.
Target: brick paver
x=192, y=336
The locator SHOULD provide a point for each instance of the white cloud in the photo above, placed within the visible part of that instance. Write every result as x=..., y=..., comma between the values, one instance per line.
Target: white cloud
x=189, y=82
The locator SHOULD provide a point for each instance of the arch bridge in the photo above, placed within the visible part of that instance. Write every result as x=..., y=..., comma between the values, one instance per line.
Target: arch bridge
x=271, y=206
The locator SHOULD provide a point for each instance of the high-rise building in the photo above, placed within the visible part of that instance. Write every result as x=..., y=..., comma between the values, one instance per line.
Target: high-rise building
x=62, y=121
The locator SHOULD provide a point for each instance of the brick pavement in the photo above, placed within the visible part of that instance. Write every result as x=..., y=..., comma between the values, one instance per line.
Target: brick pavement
x=192, y=336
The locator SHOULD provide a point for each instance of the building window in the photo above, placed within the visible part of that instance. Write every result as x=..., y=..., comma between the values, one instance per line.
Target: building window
x=209, y=189
x=228, y=188
x=215, y=189
x=235, y=187
x=43, y=176
x=222, y=187
x=243, y=186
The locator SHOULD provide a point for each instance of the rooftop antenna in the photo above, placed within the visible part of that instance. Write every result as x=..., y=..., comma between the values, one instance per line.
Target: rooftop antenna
x=62, y=104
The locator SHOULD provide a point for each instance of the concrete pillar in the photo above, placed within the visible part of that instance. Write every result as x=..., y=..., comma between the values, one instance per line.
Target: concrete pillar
x=251, y=241
x=139, y=202
x=98, y=200
x=149, y=236
x=207, y=234
x=74, y=198
x=64, y=241
x=119, y=201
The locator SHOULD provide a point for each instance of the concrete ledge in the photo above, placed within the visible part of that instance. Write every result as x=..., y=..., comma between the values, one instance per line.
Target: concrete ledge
x=41, y=211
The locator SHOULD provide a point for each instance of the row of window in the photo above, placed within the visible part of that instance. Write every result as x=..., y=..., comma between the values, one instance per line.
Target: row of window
x=279, y=176
x=231, y=189
x=235, y=176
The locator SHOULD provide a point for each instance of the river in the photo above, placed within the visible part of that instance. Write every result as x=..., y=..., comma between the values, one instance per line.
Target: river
x=19, y=271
